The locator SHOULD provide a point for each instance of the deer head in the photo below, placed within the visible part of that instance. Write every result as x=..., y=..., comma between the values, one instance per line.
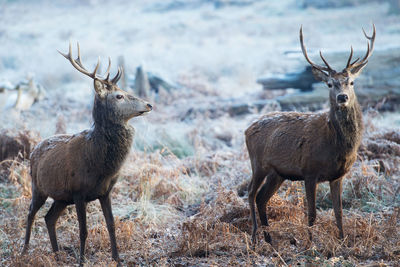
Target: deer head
x=111, y=102
x=341, y=84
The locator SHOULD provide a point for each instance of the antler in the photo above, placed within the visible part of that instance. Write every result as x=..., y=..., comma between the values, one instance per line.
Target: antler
x=303, y=48
x=370, y=48
x=77, y=63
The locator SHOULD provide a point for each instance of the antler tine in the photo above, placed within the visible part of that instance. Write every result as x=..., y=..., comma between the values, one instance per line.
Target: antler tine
x=117, y=76
x=324, y=60
x=93, y=75
x=370, y=48
x=367, y=54
x=120, y=74
x=357, y=59
x=78, y=60
x=66, y=55
x=372, y=38
x=122, y=71
x=107, y=74
x=303, y=48
x=96, y=68
x=351, y=55
x=77, y=63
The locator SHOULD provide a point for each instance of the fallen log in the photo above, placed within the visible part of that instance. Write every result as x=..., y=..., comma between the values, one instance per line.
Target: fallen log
x=299, y=80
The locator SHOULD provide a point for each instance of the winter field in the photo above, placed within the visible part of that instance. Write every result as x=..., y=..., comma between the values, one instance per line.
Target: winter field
x=181, y=197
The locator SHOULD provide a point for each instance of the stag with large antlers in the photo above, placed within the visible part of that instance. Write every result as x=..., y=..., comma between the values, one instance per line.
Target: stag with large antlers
x=79, y=168
x=309, y=147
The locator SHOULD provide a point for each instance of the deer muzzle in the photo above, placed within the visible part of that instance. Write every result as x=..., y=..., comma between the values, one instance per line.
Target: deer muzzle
x=342, y=99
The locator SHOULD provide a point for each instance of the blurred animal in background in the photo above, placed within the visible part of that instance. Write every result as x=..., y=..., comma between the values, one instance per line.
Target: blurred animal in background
x=22, y=96
x=79, y=168
x=309, y=147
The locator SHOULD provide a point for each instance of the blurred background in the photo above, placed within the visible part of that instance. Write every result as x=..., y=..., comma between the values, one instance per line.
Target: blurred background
x=221, y=48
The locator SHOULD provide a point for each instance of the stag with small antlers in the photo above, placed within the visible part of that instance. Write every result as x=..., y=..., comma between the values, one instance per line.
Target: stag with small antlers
x=309, y=147
x=79, y=168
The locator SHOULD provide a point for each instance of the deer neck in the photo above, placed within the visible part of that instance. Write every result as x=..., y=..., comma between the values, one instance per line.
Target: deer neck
x=348, y=126
x=112, y=139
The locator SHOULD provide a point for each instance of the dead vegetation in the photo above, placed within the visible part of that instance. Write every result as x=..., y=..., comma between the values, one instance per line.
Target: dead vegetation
x=15, y=147
x=194, y=211
x=17, y=144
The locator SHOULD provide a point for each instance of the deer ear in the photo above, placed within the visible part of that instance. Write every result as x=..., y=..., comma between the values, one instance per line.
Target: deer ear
x=99, y=88
x=319, y=75
x=358, y=69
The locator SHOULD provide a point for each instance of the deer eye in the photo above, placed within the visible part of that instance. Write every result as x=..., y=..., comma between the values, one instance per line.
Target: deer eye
x=351, y=83
x=120, y=96
x=329, y=85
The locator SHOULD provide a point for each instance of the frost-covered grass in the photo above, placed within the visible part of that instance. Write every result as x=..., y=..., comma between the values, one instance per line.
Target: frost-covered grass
x=194, y=211
x=164, y=212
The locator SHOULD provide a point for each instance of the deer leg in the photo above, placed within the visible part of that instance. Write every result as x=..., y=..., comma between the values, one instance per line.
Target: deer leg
x=107, y=211
x=51, y=219
x=336, y=193
x=269, y=188
x=37, y=201
x=80, y=206
x=311, y=189
x=255, y=184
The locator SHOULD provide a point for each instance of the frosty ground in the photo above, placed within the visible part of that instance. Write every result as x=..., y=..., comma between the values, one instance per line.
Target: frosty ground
x=181, y=197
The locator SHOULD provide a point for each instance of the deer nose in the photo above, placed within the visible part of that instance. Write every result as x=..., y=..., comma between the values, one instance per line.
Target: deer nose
x=150, y=106
x=342, y=98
